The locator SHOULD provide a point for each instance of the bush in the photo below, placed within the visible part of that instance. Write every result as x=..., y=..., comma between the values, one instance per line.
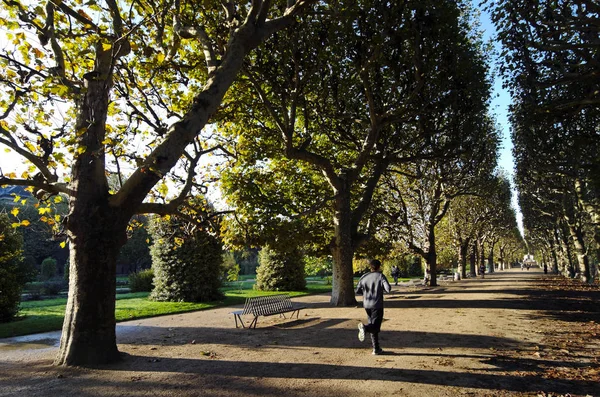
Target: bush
x=53, y=287
x=141, y=281
x=12, y=273
x=10, y=295
x=48, y=269
x=186, y=262
x=280, y=271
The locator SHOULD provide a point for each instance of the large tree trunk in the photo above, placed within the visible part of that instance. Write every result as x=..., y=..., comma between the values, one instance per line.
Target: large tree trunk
x=553, y=255
x=491, y=268
x=342, y=249
x=463, y=250
x=583, y=261
x=431, y=258
x=88, y=335
x=473, y=260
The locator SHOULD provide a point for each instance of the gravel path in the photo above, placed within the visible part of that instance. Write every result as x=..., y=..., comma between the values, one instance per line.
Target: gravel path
x=476, y=337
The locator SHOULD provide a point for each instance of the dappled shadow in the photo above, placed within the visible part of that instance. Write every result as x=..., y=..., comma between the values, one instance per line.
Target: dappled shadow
x=205, y=376
x=236, y=369
x=308, y=333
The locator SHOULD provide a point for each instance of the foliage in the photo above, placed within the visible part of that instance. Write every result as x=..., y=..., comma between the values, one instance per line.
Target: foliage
x=229, y=263
x=186, y=261
x=360, y=266
x=318, y=266
x=280, y=270
x=135, y=254
x=247, y=258
x=38, y=221
x=48, y=269
x=233, y=274
x=12, y=277
x=409, y=265
x=141, y=281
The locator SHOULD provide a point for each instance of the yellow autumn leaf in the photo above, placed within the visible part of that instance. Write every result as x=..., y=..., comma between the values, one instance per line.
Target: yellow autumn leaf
x=163, y=189
x=58, y=199
x=30, y=146
x=160, y=57
x=38, y=53
x=15, y=225
x=11, y=175
x=106, y=46
x=25, y=222
x=25, y=175
x=17, y=198
x=44, y=210
x=57, y=218
x=63, y=244
x=15, y=211
x=44, y=219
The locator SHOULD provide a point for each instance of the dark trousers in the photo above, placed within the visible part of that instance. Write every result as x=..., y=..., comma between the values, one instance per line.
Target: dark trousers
x=374, y=325
x=375, y=319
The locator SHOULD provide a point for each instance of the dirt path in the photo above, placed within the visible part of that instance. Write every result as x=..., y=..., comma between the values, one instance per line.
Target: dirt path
x=515, y=333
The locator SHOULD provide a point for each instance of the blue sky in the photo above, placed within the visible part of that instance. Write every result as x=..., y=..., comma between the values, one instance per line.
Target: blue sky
x=500, y=104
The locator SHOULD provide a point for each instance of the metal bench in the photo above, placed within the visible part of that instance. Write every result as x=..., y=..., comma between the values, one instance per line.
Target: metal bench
x=266, y=306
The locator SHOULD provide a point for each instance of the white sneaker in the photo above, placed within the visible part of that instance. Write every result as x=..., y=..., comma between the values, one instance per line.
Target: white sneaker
x=361, y=332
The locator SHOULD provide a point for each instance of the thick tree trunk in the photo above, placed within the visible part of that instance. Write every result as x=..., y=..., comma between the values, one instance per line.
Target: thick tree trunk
x=431, y=259
x=583, y=261
x=473, y=261
x=88, y=335
x=491, y=268
x=342, y=249
x=553, y=256
x=463, y=250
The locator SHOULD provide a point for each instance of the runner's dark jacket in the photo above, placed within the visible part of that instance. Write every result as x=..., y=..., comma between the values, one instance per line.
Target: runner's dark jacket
x=372, y=286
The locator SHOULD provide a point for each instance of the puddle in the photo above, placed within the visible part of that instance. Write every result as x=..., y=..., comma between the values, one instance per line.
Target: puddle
x=30, y=345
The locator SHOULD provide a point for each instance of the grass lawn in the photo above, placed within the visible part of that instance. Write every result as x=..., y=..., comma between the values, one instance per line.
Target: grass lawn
x=47, y=315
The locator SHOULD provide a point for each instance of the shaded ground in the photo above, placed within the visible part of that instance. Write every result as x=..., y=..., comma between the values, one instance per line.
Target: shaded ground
x=514, y=333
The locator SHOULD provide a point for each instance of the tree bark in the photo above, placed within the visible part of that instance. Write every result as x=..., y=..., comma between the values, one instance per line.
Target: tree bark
x=473, y=260
x=89, y=335
x=431, y=258
x=342, y=250
x=463, y=250
x=583, y=261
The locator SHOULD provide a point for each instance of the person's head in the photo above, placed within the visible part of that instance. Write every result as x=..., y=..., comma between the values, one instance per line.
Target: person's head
x=375, y=265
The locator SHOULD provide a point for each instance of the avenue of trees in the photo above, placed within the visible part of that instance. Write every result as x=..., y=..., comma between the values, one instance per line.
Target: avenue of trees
x=343, y=128
x=552, y=69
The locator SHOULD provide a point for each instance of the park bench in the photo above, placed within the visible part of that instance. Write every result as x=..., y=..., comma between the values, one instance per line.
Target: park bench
x=266, y=306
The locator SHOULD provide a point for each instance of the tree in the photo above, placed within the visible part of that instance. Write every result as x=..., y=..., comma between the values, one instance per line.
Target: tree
x=97, y=92
x=550, y=66
x=345, y=110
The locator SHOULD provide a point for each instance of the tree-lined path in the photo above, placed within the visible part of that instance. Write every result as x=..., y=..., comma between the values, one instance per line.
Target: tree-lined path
x=514, y=333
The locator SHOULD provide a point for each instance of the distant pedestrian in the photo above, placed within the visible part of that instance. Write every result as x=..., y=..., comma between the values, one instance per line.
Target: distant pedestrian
x=545, y=268
x=372, y=286
x=482, y=271
x=395, y=273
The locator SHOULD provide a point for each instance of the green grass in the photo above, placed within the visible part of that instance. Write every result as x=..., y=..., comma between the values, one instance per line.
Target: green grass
x=47, y=315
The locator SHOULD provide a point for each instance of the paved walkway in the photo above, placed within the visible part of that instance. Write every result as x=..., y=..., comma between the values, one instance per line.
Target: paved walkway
x=476, y=337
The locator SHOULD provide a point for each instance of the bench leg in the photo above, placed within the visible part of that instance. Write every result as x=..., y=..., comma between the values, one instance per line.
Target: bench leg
x=238, y=317
x=253, y=323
